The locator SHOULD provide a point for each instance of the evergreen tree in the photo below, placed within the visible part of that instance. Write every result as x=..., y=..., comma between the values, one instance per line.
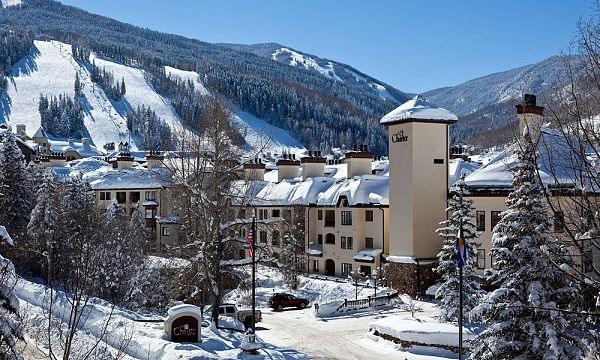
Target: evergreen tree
x=77, y=85
x=519, y=315
x=43, y=220
x=15, y=189
x=10, y=322
x=460, y=211
x=123, y=89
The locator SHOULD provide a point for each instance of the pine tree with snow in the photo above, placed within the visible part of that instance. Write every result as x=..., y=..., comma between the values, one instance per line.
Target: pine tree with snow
x=519, y=316
x=15, y=187
x=43, y=220
x=123, y=89
x=77, y=86
x=460, y=210
x=10, y=322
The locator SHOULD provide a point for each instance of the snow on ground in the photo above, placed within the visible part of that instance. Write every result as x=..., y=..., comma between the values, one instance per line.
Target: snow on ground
x=139, y=91
x=7, y=3
x=144, y=340
x=300, y=60
x=50, y=69
x=260, y=135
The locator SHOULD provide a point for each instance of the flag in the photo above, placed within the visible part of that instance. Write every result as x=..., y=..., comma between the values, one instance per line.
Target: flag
x=461, y=248
x=251, y=239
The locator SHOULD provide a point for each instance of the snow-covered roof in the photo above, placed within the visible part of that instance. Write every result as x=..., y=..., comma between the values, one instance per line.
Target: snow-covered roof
x=555, y=166
x=168, y=219
x=421, y=109
x=367, y=254
x=315, y=250
x=459, y=167
x=134, y=178
x=40, y=133
x=362, y=189
x=85, y=150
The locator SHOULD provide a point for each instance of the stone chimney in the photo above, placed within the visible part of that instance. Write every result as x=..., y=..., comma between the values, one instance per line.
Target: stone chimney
x=530, y=115
x=124, y=161
x=254, y=170
x=154, y=159
x=358, y=162
x=288, y=167
x=313, y=165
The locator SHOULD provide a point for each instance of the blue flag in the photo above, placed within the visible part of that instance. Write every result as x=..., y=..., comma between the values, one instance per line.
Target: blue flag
x=461, y=249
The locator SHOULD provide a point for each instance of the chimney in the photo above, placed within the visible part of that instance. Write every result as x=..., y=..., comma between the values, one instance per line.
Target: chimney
x=254, y=170
x=313, y=165
x=124, y=160
x=71, y=142
x=21, y=130
x=287, y=168
x=358, y=162
x=530, y=115
x=85, y=141
x=154, y=159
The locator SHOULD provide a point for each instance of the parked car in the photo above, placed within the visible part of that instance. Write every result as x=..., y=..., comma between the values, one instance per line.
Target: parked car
x=282, y=300
x=244, y=316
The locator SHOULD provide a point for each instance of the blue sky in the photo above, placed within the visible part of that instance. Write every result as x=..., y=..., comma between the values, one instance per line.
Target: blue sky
x=412, y=45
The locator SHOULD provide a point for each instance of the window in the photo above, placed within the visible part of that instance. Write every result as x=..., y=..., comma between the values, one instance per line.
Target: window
x=316, y=265
x=495, y=217
x=121, y=197
x=366, y=270
x=559, y=221
x=134, y=197
x=105, y=195
x=346, y=217
x=346, y=269
x=369, y=243
x=320, y=239
x=275, y=213
x=150, y=213
x=346, y=242
x=330, y=218
x=166, y=231
x=330, y=239
x=369, y=215
x=243, y=232
x=587, y=261
x=343, y=242
x=438, y=161
x=480, y=220
x=481, y=259
x=263, y=214
x=150, y=195
x=319, y=214
x=275, y=238
x=263, y=237
x=241, y=213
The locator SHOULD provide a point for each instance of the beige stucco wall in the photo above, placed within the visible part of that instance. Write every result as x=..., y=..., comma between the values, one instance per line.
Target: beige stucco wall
x=312, y=169
x=418, y=188
x=358, y=166
x=487, y=204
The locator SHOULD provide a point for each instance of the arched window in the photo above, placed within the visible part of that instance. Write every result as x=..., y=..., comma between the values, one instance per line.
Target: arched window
x=275, y=238
x=330, y=239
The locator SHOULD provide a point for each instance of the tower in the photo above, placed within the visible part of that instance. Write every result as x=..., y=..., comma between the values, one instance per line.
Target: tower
x=418, y=151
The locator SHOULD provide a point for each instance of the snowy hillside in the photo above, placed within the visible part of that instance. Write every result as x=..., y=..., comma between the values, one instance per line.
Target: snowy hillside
x=499, y=87
x=332, y=70
x=50, y=70
x=7, y=3
x=259, y=134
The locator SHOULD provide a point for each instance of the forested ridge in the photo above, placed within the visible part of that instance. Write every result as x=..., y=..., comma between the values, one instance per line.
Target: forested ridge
x=320, y=112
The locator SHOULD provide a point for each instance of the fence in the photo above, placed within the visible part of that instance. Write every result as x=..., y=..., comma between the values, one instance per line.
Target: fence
x=368, y=302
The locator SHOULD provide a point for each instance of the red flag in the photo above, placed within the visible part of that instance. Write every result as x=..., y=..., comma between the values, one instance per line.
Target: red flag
x=250, y=241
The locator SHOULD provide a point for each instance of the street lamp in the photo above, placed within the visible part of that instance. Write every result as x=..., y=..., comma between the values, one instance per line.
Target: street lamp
x=375, y=275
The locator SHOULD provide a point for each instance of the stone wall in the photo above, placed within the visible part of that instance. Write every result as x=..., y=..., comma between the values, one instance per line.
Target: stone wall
x=411, y=279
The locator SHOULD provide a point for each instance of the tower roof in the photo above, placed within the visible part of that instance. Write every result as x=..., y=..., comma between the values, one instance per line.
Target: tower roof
x=418, y=109
x=40, y=133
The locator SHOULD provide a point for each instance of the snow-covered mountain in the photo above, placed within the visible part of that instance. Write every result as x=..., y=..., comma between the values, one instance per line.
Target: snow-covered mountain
x=328, y=68
x=50, y=69
x=484, y=91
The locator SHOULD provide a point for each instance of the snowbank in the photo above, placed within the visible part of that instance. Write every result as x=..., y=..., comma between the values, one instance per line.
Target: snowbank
x=422, y=331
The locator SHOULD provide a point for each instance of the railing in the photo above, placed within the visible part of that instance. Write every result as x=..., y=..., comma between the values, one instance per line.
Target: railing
x=369, y=301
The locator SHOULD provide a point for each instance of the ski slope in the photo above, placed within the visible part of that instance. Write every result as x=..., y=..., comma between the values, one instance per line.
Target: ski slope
x=260, y=135
x=7, y=3
x=50, y=69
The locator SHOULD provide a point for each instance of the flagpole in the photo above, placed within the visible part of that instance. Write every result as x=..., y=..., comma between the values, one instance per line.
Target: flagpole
x=460, y=300
x=253, y=246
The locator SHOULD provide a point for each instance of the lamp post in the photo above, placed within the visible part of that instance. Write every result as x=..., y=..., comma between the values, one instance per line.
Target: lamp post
x=375, y=275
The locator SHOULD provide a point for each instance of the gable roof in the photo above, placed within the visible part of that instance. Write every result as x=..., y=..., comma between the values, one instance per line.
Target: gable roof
x=418, y=108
